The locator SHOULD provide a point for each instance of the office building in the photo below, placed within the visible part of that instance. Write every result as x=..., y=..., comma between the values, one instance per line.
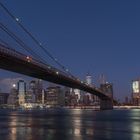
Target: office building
x=67, y=96
x=35, y=91
x=13, y=96
x=136, y=92
x=55, y=96
x=88, y=98
x=21, y=91
x=3, y=98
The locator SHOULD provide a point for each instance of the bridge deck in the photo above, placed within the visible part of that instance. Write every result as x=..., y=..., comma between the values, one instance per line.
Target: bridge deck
x=13, y=61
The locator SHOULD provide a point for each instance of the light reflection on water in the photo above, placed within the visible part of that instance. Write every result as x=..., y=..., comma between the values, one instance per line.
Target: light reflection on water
x=70, y=125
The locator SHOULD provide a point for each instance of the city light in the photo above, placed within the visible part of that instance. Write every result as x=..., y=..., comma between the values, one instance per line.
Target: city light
x=57, y=72
x=17, y=19
x=14, y=85
x=28, y=58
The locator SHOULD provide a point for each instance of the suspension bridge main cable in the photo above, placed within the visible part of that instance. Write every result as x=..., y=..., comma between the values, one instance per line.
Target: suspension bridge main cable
x=35, y=40
x=4, y=43
x=20, y=42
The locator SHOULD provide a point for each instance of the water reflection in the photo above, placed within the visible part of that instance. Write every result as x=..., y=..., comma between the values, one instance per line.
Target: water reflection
x=13, y=128
x=70, y=125
x=135, y=125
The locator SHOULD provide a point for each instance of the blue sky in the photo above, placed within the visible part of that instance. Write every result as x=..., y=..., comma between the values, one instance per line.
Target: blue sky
x=96, y=36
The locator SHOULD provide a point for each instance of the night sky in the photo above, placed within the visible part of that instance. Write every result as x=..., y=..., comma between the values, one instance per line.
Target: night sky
x=95, y=36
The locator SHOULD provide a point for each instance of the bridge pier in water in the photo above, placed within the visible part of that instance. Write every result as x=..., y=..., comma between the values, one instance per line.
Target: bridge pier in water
x=106, y=104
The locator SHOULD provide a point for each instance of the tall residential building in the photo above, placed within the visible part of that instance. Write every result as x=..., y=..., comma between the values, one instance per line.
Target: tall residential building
x=21, y=91
x=136, y=92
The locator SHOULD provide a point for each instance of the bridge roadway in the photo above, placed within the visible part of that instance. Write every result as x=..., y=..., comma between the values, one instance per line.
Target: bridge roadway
x=14, y=61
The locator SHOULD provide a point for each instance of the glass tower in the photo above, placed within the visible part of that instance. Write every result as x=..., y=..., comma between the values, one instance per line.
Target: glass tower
x=21, y=91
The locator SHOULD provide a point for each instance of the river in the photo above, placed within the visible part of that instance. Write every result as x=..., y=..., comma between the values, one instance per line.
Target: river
x=70, y=124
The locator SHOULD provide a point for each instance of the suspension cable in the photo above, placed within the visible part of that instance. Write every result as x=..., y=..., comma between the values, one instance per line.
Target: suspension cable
x=19, y=41
x=35, y=40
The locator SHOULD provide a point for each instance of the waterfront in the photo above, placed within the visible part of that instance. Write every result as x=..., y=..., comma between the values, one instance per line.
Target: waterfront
x=70, y=125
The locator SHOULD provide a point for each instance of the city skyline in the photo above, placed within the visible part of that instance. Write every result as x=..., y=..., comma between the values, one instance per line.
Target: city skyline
x=98, y=37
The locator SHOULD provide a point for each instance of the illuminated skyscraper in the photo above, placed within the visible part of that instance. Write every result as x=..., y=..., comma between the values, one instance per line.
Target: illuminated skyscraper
x=21, y=91
x=75, y=96
x=89, y=79
x=89, y=82
x=136, y=92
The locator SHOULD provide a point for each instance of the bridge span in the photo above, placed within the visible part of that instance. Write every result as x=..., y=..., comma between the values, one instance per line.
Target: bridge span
x=14, y=61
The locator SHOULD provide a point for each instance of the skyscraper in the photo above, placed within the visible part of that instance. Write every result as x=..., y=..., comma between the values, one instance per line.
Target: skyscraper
x=55, y=96
x=3, y=98
x=13, y=96
x=136, y=92
x=90, y=96
x=35, y=91
x=21, y=91
x=67, y=96
x=38, y=90
x=32, y=92
x=77, y=94
x=89, y=79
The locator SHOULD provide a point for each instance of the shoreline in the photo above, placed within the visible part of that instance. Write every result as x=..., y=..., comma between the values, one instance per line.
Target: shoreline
x=95, y=108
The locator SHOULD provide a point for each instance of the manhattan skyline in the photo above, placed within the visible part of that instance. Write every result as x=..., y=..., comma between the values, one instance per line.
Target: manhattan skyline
x=99, y=37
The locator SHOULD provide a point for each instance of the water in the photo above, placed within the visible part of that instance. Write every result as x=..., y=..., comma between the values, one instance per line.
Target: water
x=70, y=125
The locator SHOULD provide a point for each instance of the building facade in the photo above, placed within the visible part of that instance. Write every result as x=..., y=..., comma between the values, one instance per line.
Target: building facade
x=13, y=96
x=3, y=98
x=136, y=92
x=88, y=98
x=21, y=91
x=55, y=96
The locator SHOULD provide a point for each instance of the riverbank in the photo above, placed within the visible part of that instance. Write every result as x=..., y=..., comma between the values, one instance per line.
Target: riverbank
x=126, y=107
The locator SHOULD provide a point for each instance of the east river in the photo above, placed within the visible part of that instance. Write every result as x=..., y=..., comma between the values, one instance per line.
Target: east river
x=70, y=125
